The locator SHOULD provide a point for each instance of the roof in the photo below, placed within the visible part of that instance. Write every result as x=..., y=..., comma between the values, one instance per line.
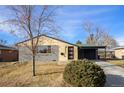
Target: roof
x=3, y=47
x=78, y=45
x=90, y=46
x=110, y=50
x=107, y=50
x=121, y=47
x=48, y=37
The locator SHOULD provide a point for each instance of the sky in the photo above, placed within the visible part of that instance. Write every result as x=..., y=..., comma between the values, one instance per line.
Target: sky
x=71, y=18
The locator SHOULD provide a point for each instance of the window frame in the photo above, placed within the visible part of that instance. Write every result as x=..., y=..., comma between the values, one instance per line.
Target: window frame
x=47, y=48
x=0, y=51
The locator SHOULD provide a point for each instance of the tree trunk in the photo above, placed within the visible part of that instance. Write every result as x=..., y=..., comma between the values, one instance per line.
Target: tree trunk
x=34, y=65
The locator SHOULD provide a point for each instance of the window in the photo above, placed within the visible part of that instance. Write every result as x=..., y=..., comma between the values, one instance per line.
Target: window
x=70, y=52
x=44, y=49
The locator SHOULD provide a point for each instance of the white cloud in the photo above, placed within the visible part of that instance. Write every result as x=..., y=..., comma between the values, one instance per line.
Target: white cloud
x=98, y=11
x=85, y=11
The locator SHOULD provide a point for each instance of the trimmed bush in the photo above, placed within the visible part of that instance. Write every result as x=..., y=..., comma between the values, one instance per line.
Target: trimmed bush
x=84, y=74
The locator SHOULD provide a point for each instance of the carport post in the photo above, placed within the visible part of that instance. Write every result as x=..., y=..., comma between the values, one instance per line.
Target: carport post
x=97, y=54
x=105, y=53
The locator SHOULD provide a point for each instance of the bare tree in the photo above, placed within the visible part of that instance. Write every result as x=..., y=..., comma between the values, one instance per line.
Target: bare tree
x=98, y=36
x=79, y=42
x=90, y=39
x=30, y=21
x=2, y=42
x=88, y=27
x=109, y=41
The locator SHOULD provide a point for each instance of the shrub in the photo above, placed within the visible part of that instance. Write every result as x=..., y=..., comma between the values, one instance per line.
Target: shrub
x=84, y=74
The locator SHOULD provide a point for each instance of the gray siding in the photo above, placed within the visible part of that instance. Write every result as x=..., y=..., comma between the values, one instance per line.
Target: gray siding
x=25, y=54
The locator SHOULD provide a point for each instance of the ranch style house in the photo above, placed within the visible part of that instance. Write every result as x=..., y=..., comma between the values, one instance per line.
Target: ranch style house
x=53, y=49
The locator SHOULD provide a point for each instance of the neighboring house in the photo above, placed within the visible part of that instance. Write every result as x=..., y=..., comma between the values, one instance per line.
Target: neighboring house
x=8, y=54
x=119, y=52
x=53, y=49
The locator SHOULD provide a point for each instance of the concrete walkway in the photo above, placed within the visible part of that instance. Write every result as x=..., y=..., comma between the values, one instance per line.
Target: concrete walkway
x=115, y=74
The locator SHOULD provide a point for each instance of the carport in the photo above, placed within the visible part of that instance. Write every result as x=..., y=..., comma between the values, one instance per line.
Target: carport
x=90, y=52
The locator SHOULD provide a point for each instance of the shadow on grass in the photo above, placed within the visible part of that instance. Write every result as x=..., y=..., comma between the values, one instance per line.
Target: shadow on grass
x=114, y=81
x=110, y=65
x=122, y=66
x=50, y=73
x=8, y=61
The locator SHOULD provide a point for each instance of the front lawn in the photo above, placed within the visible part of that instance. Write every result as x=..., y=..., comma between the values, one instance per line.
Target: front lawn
x=20, y=74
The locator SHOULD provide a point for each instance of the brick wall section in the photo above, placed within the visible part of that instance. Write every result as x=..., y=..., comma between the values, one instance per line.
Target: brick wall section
x=8, y=55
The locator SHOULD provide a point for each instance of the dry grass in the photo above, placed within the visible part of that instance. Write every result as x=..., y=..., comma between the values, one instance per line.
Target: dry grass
x=117, y=62
x=20, y=74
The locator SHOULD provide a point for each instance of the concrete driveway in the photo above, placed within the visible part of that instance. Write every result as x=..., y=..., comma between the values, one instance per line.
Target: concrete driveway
x=115, y=74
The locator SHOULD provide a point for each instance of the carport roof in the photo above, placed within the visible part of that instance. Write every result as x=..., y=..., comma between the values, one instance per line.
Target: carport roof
x=120, y=47
x=89, y=46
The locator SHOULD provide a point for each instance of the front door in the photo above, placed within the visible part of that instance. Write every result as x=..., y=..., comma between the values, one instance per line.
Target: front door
x=70, y=52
